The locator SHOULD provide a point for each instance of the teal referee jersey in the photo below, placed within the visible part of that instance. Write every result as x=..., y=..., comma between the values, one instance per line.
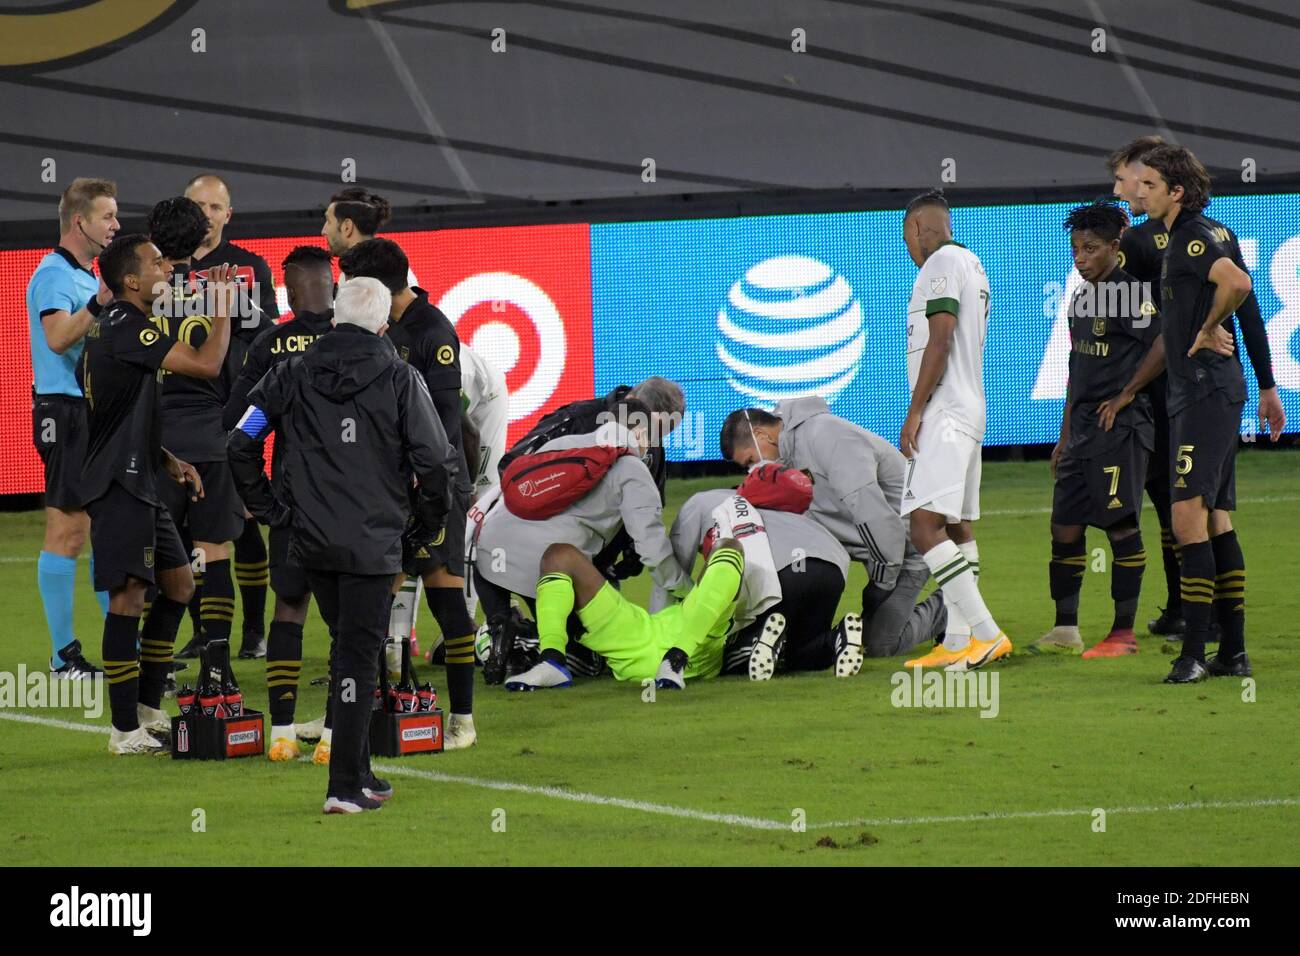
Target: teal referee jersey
x=60, y=283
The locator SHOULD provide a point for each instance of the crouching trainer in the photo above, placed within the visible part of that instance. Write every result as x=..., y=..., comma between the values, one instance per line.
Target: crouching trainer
x=857, y=490
x=795, y=573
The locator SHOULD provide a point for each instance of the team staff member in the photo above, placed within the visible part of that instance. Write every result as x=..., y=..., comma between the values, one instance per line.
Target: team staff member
x=425, y=338
x=857, y=488
x=212, y=193
x=1203, y=281
x=63, y=297
x=136, y=544
x=309, y=282
x=811, y=567
x=625, y=498
x=359, y=422
x=191, y=426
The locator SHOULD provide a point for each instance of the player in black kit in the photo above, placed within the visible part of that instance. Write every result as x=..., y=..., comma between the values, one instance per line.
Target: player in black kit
x=1100, y=472
x=135, y=542
x=1203, y=281
x=212, y=194
x=309, y=281
x=1142, y=252
x=191, y=424
x=426, y=339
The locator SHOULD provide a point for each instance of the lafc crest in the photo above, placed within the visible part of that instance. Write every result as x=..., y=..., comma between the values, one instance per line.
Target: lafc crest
x=1099, y=327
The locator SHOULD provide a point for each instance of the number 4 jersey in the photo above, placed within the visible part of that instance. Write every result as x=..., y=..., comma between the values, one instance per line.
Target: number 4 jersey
x=952, y=280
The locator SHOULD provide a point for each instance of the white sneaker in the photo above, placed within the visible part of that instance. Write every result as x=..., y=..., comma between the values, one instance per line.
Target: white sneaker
x=767, y=648
x=460, y=732
x=138, y=741
x=154, y=721
x=848, y=646
x=544, y=674
x=311, y=730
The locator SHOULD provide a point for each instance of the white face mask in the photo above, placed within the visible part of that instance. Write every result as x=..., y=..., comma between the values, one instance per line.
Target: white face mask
x=754, y=437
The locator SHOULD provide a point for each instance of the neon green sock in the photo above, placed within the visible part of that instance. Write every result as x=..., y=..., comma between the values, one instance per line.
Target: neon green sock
x=554, y=605
x=712, y=598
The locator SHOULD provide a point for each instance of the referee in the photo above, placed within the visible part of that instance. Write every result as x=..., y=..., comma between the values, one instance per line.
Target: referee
x=63, y=298
x=1203, y=281
x=359, y=421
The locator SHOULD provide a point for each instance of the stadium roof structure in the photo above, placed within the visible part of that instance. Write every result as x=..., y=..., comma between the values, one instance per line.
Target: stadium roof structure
x=576, y=97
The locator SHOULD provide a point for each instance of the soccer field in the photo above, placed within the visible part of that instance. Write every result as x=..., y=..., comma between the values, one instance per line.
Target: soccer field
x=724, y=772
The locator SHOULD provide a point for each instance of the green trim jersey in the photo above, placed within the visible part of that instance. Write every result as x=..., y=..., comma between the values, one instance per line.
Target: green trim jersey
x=952, y=280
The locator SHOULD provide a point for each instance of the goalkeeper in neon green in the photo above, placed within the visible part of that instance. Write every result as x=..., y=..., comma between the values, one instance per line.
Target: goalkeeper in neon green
x=682, y=641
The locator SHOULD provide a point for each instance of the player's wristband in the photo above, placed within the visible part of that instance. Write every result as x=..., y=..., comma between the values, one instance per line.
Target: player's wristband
x=93, y=307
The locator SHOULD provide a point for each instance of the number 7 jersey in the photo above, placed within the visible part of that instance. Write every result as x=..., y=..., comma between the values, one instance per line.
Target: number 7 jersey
x=952, y=280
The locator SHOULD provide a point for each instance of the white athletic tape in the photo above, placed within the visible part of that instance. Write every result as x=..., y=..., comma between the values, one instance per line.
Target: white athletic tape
x=733, y=819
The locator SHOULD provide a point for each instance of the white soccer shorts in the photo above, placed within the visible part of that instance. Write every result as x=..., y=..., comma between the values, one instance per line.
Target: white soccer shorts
x=943, y=475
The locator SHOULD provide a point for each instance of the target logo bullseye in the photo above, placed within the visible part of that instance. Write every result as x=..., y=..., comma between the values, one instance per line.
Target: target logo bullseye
x=520, y=296
x=512, y=322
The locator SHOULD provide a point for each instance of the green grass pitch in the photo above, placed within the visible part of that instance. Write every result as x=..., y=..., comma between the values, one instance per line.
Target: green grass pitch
x=722, y=773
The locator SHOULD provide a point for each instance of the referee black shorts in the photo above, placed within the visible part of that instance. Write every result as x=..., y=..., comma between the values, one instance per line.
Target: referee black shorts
x=288, y=581
x=131, y=538
x=449, y=550
x=1103, y=490
x=1203, y=451
x=59, y=431
x=216, y=517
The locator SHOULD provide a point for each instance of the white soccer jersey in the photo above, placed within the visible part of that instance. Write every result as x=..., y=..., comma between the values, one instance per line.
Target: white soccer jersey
x=952, y=280
x=488, y=410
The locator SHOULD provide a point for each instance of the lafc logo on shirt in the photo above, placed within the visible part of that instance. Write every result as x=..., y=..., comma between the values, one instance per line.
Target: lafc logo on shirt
x=445, y=355
x=148, y=557
x=1099, y=327
x=148, y=336
x=1162, y=239
x=1195, y=247
x=404, y=352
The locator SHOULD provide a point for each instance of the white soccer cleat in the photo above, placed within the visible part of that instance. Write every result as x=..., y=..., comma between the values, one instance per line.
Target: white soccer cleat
x=138, y=741
x=848, y=646
x=460, y=732
x=311, y=730
x=542, y=675
x=767, y=648
x=154, y=721
x=672, y=670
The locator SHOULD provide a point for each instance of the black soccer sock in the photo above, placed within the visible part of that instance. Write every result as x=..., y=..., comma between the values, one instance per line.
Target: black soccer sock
x=1197, y=586
x=218, y=602
x=253, y=575
x=122, y=668
x=1229, y=593
x=157, y=641
x=1169, y=556
x=283, y=665
x=1130, y=560
x=448, y=607
x=1065, y=578
x=195, y=607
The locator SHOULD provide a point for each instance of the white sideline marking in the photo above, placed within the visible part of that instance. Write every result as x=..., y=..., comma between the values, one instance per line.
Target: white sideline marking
x=1035, y=814
x=732, y=819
